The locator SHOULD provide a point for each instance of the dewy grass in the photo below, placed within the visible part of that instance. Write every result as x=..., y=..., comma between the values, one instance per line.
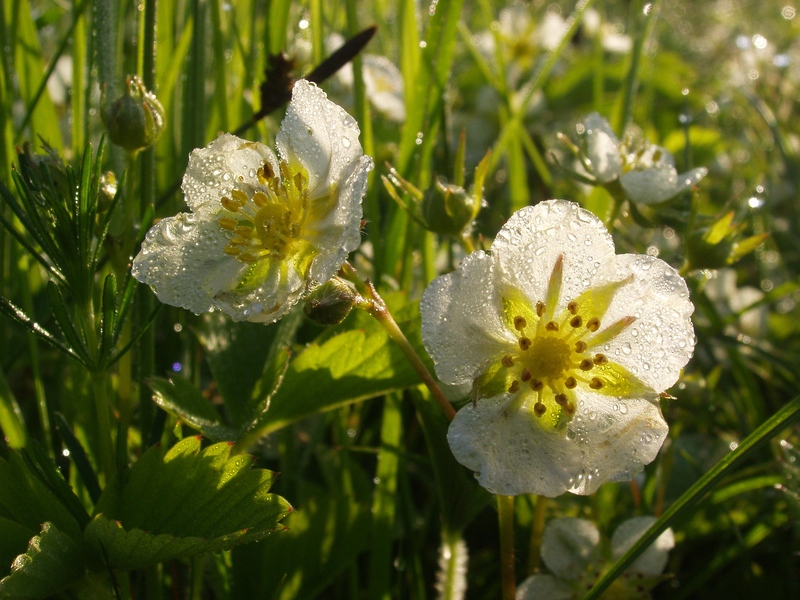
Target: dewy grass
x=140, y=443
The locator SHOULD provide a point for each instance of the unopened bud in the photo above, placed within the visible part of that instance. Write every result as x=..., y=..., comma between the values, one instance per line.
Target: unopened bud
x=135, y=120
x=448, y=209
x=330, y=303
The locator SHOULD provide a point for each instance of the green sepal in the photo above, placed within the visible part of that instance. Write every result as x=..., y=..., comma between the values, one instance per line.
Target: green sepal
x=184, y=503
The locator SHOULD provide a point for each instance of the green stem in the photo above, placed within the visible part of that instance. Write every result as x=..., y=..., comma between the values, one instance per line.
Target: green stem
x=505, y=514
x=106, y=460
x=539, y=517
x=375, y=306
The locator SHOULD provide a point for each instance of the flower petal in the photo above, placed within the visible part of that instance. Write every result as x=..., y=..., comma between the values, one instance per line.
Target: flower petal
x=659, y=343
x=537, y=587
x=530, y=243
x=511, y=453
x=652, y=561
x=616, y=437
x=319, y=135
x=602, y=149
x=569, y=546
x=658, y=183
x=225, y=163
x=462, y=326
x=183, y=259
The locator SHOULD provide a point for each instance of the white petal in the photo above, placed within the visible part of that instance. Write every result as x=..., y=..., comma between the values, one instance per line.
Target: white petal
x=602, y=148
x=652, y=561
x=281, y=289
x=544, y=587
x=461, y=324
x=225, y=163
x=569, y=546
x=659, y=183
x=384, y=85
x=661, y=341
x=321, y=136
x=339, y=232
x=534, y=237
x=182, y=258
x=512, y=454
x=616, y=438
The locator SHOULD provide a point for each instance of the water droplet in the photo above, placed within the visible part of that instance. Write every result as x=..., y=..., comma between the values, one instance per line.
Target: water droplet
x=346, y=142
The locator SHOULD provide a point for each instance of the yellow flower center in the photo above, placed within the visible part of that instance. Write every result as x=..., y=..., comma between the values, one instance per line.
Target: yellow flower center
x=267, y=223
x=555, y=355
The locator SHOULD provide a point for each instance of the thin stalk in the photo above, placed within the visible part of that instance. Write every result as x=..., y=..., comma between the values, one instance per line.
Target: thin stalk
x=539, y=517
x=38, y=386
x=505, y=514
x=106, y=460
x=375, y=306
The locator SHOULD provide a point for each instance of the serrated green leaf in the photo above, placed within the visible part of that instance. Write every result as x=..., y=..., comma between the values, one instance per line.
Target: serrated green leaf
x=14, y=539
x=183, y=400
x=52, y=561
x=186, y=502
x=354, y=365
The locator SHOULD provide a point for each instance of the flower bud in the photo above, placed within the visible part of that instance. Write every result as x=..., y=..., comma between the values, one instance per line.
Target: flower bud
x=448, y=209
x=135, y=120
x=330, y=303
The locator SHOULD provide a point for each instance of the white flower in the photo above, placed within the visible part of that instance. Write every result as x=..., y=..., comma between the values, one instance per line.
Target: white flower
x=263, y=228
x=568, y=346
x=645, y=171
x=572, y=551
x=383, y=81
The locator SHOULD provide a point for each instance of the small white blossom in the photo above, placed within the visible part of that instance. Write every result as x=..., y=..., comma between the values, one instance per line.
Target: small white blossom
x=263, y=228
x=572, y=551
x=568, y=347
x=645, y=171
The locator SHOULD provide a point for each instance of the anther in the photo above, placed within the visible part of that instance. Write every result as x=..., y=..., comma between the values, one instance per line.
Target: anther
x=260, y=199
x=536, y=385
x=551, y=326
x=228, y=223
x=561, y=399
x=265, y=173
x=525, y=375
x=576, y=321
x=570, y=383
x=586, y=365
x=239, y=241
x=540, y=309
x=507, y=361
x=572, y=307
x=229, y=204
x=520, y=323
x=239, y=196
x=539, y=409
x=596, y=383
x=593, y=324
x=581, y=346
x=600, y=359
x=247, y=257
x=514, y=387
x=524, y=343
x=569, y=408
x=232, y=250
x=243, y=231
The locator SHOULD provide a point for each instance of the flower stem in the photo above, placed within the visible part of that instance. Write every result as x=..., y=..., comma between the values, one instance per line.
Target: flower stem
x=539, y=516
x=505, y=513
x=375, y=306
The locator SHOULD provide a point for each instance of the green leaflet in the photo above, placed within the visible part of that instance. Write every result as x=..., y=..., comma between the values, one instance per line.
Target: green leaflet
x=53, y=560
x=186, y=502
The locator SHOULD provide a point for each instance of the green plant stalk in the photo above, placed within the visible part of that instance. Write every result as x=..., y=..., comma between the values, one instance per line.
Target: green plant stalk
x=451, y=587
x=384, y=501
x=505, y=515
x=784, y=417
x=537, y=528
x=375, y=306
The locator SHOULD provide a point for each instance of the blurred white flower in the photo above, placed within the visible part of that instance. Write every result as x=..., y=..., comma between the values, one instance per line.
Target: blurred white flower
x=568, y=347
x=571, y=549
x=263, y=228
x=610, y=38
x=382, y=80
x=730, y=299
x=645, y=171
